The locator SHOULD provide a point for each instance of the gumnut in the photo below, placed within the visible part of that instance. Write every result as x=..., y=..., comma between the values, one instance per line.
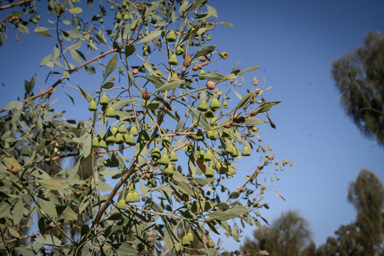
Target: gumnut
x=173, y=60
x=169, y=170
x=121, y=205
x=211, y=85
x=171, y=37
x=223, y=55
x=104, y=100
x=92, y=106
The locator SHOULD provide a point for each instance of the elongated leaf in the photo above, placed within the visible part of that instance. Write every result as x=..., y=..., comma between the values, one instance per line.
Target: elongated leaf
x=48, y=207
x=121, y=103
x=200, y=118
x=85, y=94
x=132, y=79
x=227, y=24
x=253, y=121
x=169, y=113
x=76, y=10
x=112, y=63
x=157, y=208
x=18, y=211
x=11, y=105
x=126, y=249
x=5, y=208
x=129, y=50
x=249, y=69
x=245, y=99
x=50, y=184
x=169, y=86
x=150, y=37
x=182, y=183
x=69, y=214
x=42, y=31
x=213, y=76
x=204, y=50
x=156, y=82
x=267, y=106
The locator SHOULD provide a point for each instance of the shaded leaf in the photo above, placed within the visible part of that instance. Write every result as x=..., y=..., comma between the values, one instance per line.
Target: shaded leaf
x=48, y=207
x=112, y=63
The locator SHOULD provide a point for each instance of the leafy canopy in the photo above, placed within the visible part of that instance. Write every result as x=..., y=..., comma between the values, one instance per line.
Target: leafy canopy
x=168, y=136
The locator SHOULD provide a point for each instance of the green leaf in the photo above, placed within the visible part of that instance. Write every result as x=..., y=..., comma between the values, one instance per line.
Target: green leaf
x=46, y=59
x=200, y=118
x=204, y=50
x=90, y=69
x=245, y=99
x=69, y=214
x=50, y=184
x=156, y=82
x=169, y=86
x=11, y=105
x=169, y=113
x=222, y=206
x=249, y=69
x=108, y=85
x=227, y=24
x=5, y=209
x=13, y=232
x=234, y=195
x=126, y=249
x=75, y=55
x=182, y=183
x=87, y=145
x=229, y=214
x=112, y=63
x=48, y=207
x=129, y=50
x=85, y=94
x=11, y=162
x=6, y=135
x=25, y=251
x=132, y=79
x=42, y=31
x=108, y=172
x=157, y=208
x=150, y=37
x=121, y=103
x=18, y=211
x=76, y=10
x=213, y=76
x=267, y=106
x=253, y=121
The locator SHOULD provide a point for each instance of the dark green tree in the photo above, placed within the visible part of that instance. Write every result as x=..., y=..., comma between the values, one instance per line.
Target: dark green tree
x=367, y=195
x=288, y=235
x=359, y=76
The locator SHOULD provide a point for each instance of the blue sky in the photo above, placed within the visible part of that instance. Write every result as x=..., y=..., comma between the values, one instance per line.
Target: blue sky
x=294, y=43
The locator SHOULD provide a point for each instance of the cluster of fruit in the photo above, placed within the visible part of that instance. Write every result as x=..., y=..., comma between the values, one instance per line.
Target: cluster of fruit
x=129, y=195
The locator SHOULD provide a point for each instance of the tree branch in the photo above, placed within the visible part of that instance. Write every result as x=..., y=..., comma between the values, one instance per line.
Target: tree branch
x=13, y=5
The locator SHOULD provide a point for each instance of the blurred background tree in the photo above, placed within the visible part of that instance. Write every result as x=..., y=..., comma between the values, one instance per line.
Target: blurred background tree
x=359, y=76
x=288, y=235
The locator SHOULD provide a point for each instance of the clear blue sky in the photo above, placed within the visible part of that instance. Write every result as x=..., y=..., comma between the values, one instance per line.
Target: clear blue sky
x=294, y=43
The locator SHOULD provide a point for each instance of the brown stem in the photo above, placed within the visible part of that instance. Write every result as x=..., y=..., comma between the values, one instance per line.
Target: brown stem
x=50, y=89
x=14, y=4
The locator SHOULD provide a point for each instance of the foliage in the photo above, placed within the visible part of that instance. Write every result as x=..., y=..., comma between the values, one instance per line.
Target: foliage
x=367, y=195
x=288, y=235
x=165, y=107
x=364, y=236
x=359, y=76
